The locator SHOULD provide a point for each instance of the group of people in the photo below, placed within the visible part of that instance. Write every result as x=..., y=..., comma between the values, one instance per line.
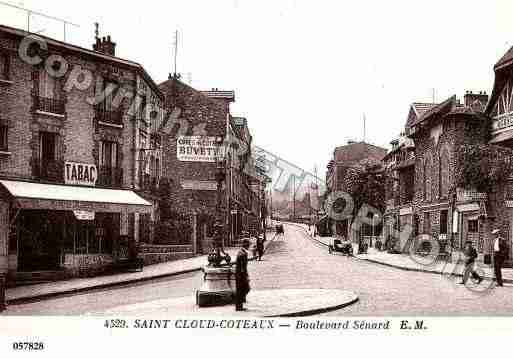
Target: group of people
x=500, y=254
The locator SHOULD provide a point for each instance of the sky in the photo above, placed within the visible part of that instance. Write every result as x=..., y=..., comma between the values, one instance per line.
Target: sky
x=305, y=73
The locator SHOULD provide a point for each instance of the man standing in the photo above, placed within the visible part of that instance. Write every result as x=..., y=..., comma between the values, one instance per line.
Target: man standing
x=241, y=276
x=499, y=255
x=471, y=254
x=260, y=247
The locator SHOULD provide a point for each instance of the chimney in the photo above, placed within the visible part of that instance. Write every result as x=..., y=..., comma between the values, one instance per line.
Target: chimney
x=105, y=46
x=476, y=101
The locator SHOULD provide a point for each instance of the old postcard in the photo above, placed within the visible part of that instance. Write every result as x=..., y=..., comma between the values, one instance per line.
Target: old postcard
x=250, y=178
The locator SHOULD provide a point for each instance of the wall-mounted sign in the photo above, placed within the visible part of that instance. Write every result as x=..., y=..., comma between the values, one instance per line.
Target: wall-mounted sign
x=199, y=185
x=80, y=174
x=508, y=203
x=84, y=215
x=197, y=148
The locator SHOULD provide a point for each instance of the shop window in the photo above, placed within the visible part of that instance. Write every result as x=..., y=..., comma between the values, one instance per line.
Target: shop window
x=473, y=226
x=3, y=138
x=443, y=221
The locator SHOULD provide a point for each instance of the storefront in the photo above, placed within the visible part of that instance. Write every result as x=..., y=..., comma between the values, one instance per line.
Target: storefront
x=74, y=230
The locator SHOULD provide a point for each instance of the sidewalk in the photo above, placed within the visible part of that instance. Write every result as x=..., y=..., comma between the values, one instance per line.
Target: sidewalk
x=42, y=291
x=413, y=263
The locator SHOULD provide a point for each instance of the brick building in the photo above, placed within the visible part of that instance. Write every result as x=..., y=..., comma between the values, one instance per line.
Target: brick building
x=191, y=166
x=78, y=140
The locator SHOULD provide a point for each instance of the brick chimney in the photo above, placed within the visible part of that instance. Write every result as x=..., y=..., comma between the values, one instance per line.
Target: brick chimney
x=105, y=46
x=476, y=101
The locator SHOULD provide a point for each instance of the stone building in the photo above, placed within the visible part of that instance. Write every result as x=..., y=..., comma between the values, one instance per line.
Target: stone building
x=399, y=168
x=74, y=127
x=440, y=208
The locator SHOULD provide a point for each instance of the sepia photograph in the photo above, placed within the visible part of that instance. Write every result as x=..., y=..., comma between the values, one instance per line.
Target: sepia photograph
x=276, y=169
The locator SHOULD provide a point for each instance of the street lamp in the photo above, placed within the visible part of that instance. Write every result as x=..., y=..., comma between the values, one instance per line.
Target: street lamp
x=217, y=254
x=217, y=288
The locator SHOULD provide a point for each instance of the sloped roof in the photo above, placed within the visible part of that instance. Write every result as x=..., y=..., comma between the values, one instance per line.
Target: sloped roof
x=354, y=153
x=505, y=60
x=446, y=105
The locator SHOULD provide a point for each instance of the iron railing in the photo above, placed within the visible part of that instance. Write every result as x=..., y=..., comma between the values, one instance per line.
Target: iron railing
x=49, y=105
x=49, y=170
x=111, y=117
x=110, y=176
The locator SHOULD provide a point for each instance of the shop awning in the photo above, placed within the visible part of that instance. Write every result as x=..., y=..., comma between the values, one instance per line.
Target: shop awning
x=31, y=195
x=467, y=207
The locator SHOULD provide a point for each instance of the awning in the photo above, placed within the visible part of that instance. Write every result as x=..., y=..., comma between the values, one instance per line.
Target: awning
x=62, y=197
x=467, y=207
x=503, y=136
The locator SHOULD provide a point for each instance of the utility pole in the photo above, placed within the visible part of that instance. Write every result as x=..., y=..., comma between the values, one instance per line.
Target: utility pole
x=294, y=197
x=175, y=52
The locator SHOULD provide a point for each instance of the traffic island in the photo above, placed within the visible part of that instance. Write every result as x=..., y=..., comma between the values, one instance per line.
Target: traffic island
x=260, y=303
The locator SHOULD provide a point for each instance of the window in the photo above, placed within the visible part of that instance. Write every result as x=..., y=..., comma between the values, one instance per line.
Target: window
x=443, y=174
x=49, y=86
x=4, y=67
x=109, y=90
x=3, y=138
x=109, y=154
x=47, y=147
x=473, y=226
x=443, y=222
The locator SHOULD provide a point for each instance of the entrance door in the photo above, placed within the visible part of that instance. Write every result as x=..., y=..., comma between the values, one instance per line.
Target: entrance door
x=40, y=240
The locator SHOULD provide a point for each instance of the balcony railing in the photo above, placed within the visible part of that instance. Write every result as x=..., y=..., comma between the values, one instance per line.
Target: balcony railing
x=148, y=183
x=466, y=195
x=110, y=176
x=111, y=117
x=49, y=170
x=49, y=105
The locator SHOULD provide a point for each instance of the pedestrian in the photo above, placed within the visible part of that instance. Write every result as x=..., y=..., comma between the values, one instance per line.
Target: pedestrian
x=241, y=276
x=471, y=254
x=260, y=247
x=500, y=253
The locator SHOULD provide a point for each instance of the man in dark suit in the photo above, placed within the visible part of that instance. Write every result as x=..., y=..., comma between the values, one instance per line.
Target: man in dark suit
x=500, y=253
x=241, y=276
x=471, y=254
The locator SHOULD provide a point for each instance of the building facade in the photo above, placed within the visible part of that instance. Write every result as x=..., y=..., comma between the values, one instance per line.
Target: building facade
x=72, y=129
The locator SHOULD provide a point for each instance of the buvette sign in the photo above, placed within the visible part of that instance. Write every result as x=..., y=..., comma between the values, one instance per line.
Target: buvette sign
x=197, y=148
x=80, y=174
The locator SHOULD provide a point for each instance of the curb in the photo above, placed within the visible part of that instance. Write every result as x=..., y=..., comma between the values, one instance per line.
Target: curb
x=430, y=271
x=306, y=313
x=45, y=296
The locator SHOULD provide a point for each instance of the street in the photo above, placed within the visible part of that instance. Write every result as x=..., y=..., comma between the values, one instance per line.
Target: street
x=294, y=262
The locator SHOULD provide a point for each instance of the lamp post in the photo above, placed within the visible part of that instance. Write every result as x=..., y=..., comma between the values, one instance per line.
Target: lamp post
x=218, y=287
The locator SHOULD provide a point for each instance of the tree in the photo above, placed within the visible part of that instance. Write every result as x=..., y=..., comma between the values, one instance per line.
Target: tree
x=366, y=186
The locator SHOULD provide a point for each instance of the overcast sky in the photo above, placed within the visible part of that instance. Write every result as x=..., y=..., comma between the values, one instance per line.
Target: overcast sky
x=304, y=72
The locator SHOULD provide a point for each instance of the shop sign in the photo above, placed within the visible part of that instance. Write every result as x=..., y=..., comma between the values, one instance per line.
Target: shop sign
x=197, y=148
x=84, y=215
x=80, y=174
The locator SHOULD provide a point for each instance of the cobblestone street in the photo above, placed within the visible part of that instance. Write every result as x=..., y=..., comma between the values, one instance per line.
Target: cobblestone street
x=294, y=262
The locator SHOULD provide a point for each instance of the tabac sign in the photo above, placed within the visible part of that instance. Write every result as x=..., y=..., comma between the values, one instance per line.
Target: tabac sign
x=80, y=174
x=197, y=148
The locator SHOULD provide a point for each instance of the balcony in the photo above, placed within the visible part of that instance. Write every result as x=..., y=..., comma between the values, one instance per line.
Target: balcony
x=468, y=195
x=148, y=183
x=109, y=117
x=110, y=176
x=49, y=105
x=49, y=170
